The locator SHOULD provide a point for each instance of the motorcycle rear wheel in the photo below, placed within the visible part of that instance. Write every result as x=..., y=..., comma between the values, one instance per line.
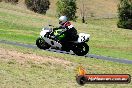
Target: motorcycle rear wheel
x=81, y=49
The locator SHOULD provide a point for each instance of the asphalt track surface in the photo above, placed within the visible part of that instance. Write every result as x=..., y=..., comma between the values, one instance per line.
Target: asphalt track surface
x=119, y=60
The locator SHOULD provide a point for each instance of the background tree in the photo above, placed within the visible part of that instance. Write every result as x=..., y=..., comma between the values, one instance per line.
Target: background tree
x=10, y=1
x=125, y=14
x=84, y=10
x=39, y=6
x=67, y=8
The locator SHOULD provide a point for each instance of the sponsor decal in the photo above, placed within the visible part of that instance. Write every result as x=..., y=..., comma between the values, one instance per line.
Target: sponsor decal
x=83, y=78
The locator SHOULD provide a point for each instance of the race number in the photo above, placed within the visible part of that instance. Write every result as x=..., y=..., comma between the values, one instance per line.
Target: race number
x=82, y=38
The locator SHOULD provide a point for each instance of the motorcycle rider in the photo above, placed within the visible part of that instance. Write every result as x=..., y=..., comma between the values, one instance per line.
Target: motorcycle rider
x=69, y=31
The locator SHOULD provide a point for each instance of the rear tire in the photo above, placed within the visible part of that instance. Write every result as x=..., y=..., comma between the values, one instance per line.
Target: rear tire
x=81, y=49
x=42, y=44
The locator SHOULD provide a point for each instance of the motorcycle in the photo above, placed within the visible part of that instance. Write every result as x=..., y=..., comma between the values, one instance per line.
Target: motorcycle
x=47, y=40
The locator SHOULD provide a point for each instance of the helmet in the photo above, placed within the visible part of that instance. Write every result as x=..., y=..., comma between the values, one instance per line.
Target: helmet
x=62, y=20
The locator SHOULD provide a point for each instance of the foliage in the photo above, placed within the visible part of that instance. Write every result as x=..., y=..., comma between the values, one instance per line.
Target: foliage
x=67, y=8
x=11, y=1
x=39, y=6
x=84, y=10
x=125, y=14
x=24, y=27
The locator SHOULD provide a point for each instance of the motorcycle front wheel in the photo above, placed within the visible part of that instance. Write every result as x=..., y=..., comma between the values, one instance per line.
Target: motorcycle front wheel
x=42, y=44
x=81, y=49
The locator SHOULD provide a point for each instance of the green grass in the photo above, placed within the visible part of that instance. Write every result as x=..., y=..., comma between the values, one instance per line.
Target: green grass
x=20, y=25
x=46, y=75
x=34, y=75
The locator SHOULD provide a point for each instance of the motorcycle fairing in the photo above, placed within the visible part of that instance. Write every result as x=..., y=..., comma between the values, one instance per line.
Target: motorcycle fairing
x=53, y=43
x=83, y=37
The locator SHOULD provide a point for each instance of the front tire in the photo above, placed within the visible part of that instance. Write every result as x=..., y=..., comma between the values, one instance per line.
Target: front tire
x=42, y=44
x=81, y=49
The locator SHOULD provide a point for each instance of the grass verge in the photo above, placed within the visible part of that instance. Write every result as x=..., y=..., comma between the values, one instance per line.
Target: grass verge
x=32, y=74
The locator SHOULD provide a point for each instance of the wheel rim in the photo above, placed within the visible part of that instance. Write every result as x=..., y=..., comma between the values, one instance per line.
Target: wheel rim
x=81, y=49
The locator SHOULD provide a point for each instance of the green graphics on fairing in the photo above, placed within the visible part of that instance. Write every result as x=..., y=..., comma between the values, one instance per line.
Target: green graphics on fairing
x=57, y=32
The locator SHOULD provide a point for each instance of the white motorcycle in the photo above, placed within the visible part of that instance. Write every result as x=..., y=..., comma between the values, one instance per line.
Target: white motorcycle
x=46, y=41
